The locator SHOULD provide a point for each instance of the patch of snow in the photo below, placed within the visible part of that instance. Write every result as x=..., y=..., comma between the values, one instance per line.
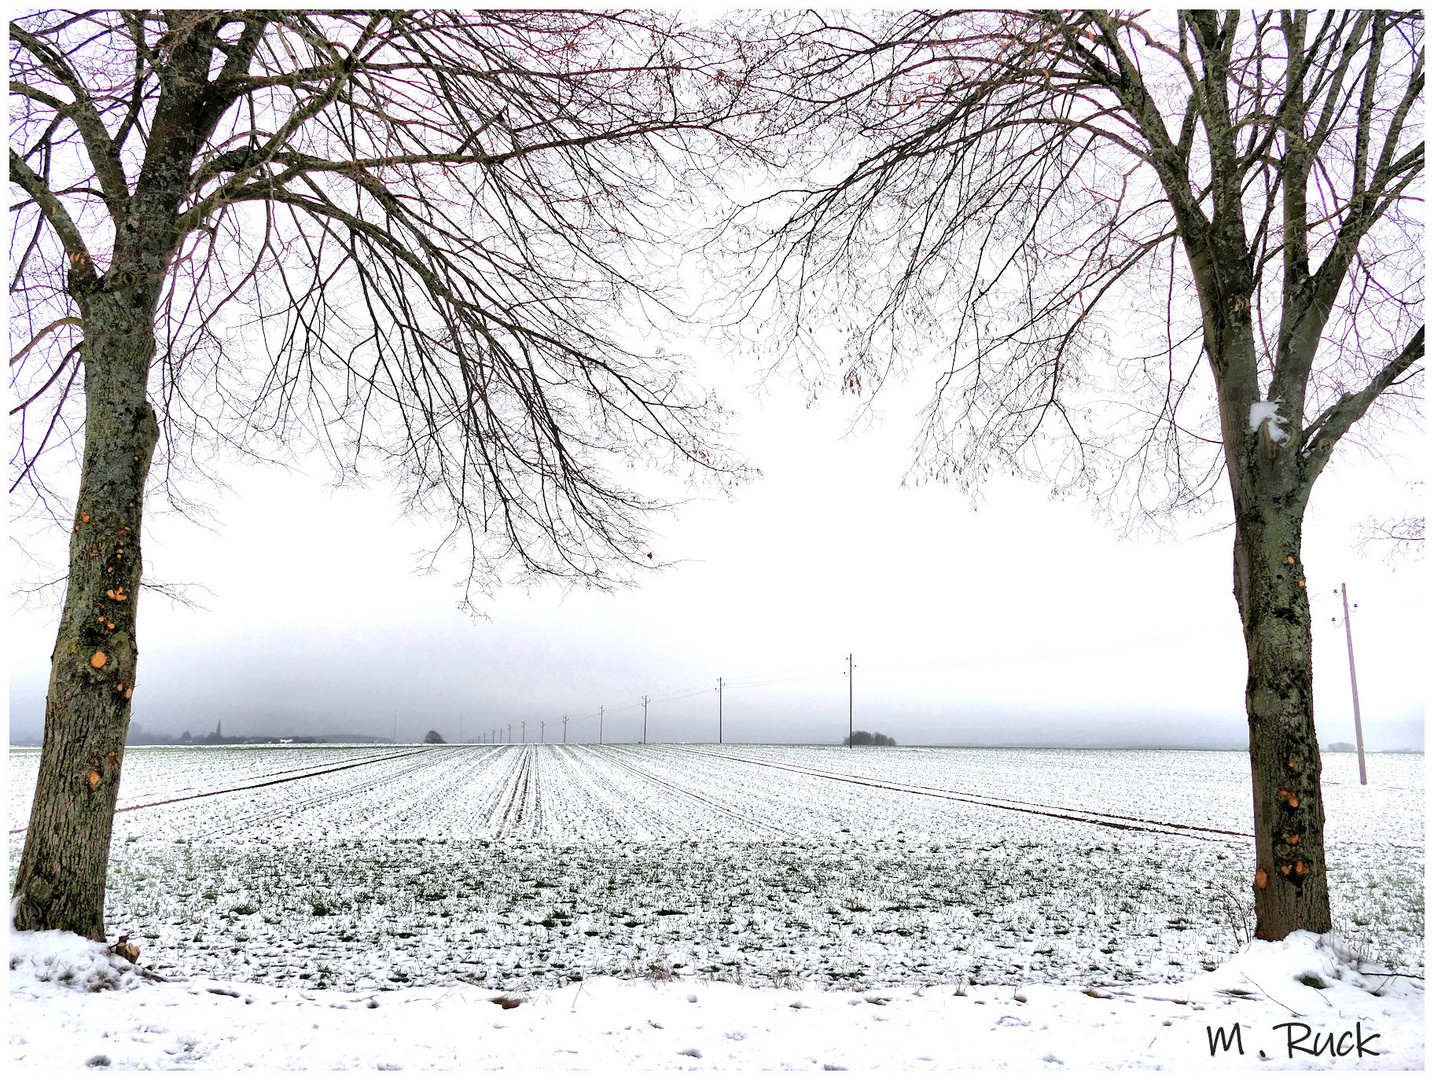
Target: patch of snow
x=1284, y=1019
x=1302, y=962
x=53, y=956
x=1262, y=411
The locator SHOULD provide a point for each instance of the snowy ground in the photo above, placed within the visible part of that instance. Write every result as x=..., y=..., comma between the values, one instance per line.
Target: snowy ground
x=362, y=906
x=1297, y=1004
x=524, y=868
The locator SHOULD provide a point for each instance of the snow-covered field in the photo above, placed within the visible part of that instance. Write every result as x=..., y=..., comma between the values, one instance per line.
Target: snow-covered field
x=439, y=876
x=527, y=867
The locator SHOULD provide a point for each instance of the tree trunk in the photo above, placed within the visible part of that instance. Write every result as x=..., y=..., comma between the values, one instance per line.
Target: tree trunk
x=61, y=880
x=1291, y=889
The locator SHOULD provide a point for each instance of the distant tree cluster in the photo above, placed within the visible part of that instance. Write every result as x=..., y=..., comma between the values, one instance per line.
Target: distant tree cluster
x=870, y=738
x=433, y=737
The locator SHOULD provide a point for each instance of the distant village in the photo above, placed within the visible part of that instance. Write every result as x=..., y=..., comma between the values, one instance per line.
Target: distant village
x=138, y=736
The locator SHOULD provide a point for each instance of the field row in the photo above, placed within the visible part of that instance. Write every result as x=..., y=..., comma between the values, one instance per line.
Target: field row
x=736, y=793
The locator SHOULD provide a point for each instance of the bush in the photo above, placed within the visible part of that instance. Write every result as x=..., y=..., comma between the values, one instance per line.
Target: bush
x=869, y=738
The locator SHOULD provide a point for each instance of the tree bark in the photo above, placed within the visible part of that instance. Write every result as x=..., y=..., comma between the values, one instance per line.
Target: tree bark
x=1290, y=886
x=61, y=880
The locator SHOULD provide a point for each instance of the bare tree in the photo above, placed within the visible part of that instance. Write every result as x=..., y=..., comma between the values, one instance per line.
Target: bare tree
x=405, y=238
x=1150, y=251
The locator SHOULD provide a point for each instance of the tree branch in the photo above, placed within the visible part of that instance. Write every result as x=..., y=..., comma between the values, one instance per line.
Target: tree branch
x=68, y=320
x=54, y=212
x=103, y=153
x=1331, y=425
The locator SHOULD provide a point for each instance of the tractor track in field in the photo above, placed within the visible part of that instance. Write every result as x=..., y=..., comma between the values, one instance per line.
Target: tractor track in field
x=262, y=784
x=523, y=792
x=198, y=788
x=530, y=809
x=1066, y=813
x=495, y=810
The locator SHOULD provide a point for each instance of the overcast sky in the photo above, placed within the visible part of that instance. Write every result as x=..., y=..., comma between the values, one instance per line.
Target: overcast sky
x=1024, y=621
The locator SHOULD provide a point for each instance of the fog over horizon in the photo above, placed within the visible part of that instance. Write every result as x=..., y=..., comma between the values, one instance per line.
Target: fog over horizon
x=1023, y=621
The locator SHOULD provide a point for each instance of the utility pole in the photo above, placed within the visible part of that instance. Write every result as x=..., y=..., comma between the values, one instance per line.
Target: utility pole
x=850, y=700
x=719, y=710
x=510, y=733
x=525, y=731
x=460, y=727
x=565, y=730
x=600, y=709
x=542, y=731
x=395, y=727
x=1353, y=686
x=644, y=719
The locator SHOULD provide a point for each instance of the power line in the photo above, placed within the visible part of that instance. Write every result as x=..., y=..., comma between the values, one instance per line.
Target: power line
x=755, y=681
x=850, y=703
x=1353, y=686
